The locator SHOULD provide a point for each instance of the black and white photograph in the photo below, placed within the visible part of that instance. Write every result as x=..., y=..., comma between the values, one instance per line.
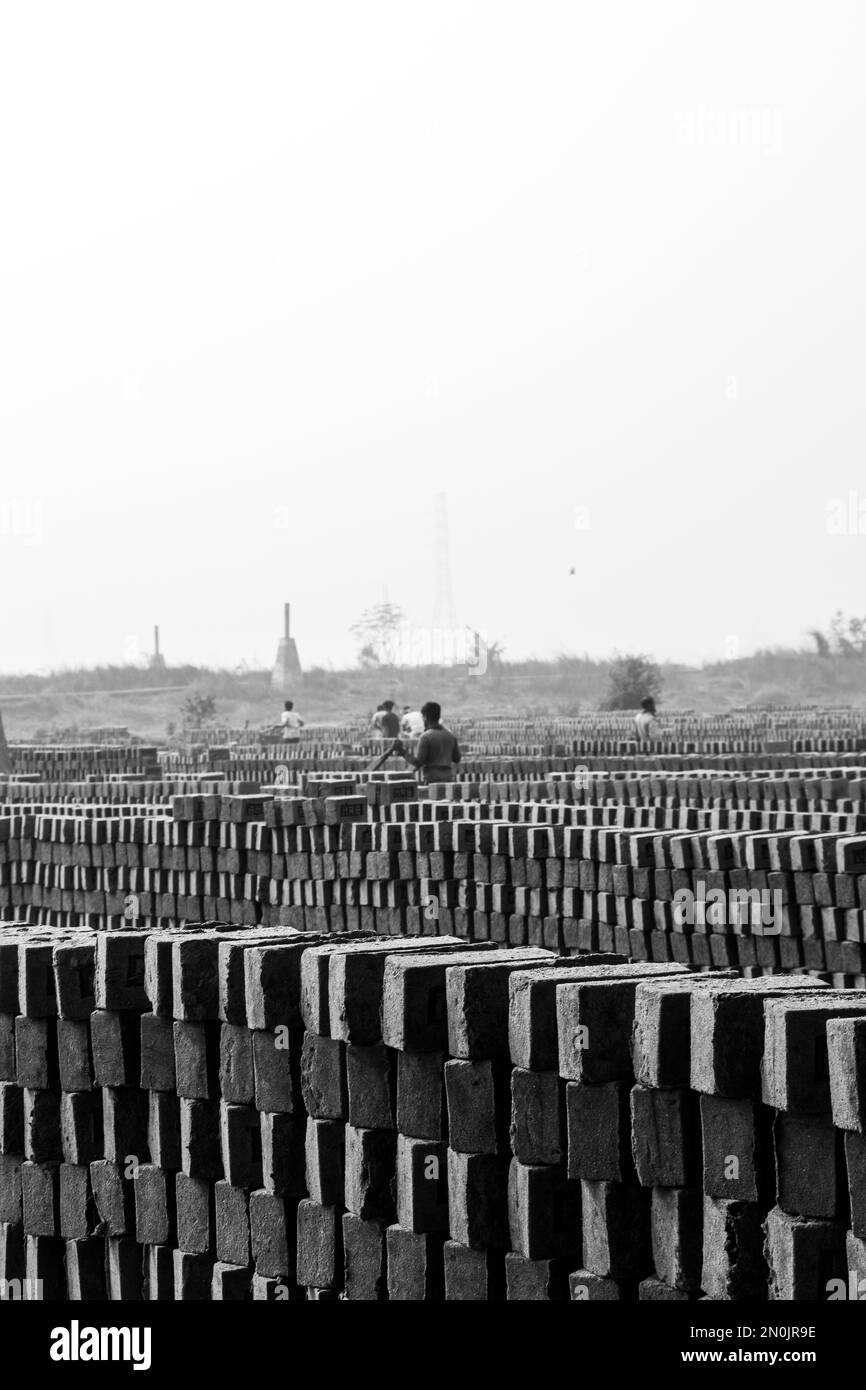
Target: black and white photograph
x=432, y=679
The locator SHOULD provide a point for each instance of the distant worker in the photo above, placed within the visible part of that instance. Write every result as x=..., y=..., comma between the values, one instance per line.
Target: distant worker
x=438, y=751
x=646, y=722
x=292, y=723
x=412, y=723
x=385, y=721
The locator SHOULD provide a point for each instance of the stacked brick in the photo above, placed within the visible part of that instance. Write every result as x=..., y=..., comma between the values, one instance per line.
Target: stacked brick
x=211, y=1113
x=566, y=878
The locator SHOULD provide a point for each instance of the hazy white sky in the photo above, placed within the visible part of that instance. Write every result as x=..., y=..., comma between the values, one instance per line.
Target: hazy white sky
x=271, y=275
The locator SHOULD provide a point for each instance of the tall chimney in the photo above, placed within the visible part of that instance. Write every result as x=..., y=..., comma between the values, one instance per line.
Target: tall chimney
x=287, y=669
x=156, y=645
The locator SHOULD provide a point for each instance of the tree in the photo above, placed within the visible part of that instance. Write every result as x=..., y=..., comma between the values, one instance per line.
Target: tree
x=848, y=635
x=377, y=631
x=197, y=710
x=631, y=678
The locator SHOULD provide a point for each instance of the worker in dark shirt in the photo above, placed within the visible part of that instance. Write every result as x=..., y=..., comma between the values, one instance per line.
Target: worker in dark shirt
x=437, y=752
x=385, y=721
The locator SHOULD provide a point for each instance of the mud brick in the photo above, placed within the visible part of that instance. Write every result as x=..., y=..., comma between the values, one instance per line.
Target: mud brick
x=36, y=1059
x=200, y=1145
x=44, y=1271
x=414, y=1265
x=157, y=972
x=537, y=1117
x=241, y=1141
x=325, y=1152
x=283, y=1158
x=78, y=1215
x=421, y=1111
x=236, y=1064
x=315, y=963
x=599, y=1132
x=74, y=964
x=855, y=1288
x=662, y=1028
x=727, y=1034
x=37, y=997
x=665, y=1137
x=855, y=1160
x=616, y=1230
x=158, y=1274
x=738, y=1160
x=356, y=985
x=810, y=1177
x=323, y=1078
x=795, y=1069
x=473, y=1275
x=586, y=1287
x=81, y=1132
x=124, y=1120
x=543, y=1212
x=478, y=1106
x=42, y=1126
x=478, y=1200
x=414, y=1013
x=9, y=971
x=230, y=1283
x=594, y=1023
x=676, y=1220
x=114, y=1197
x=536, y=1281
x=231, y=978
x=371, y=1075
x=85, y=1270
x=320, y=1246
x=371, y=1182
x=477, y=1002
x=275, y=1060
x=532, y=1036
x=195, y=977
x=7, y=1047
x=193, y=1276
x=196, y=1060
x=422, y=1185
x=272, y=982
x=232, y=1224
x=12, y=1118
x=153, y=1190
x=803, y=1256
x=733, y=1265
x=74, y=1055
x=10, y=1189
x=115, y=1040
x=195, y=1214
x=157, y=1054
x=40, y=1198
x=364, y=1259
x=12, y=1251
x=272, y=1235
x=119, y=975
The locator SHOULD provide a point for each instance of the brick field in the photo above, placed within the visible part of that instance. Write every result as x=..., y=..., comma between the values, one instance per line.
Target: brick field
x=587, y=1024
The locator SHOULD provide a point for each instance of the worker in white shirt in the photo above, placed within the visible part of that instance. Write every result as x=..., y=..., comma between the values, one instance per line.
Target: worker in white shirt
x=412, y=722
x=646, y=722
x=291, y=722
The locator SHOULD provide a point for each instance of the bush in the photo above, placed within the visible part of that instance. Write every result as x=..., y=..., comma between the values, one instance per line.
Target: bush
x=631, y=678
x=198, y=710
